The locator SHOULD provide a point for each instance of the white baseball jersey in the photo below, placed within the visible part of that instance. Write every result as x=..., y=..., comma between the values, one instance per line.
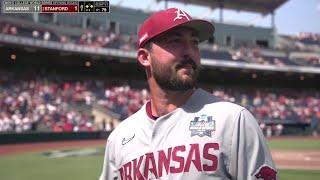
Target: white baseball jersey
x=201, y=140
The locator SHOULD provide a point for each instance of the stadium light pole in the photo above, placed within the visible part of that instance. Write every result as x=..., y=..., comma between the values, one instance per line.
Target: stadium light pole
x=273, y=24
x=221, y=11
x=35, y=17
x=165, y=4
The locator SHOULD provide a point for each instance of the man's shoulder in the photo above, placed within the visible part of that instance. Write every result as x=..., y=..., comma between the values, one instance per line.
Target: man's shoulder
x=214, y=101
x=228, y=105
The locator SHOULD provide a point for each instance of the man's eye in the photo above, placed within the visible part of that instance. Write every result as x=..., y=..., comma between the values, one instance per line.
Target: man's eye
x=175, y=40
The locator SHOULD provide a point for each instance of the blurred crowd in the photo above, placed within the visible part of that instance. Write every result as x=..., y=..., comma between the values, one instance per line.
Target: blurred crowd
x=109, y=39
x=311, y=61
x=308, y=38
x=275, y=107
x=59, y=104
x=41, y=33
x=304, y=41
x=88, y=38
x=253, y=55
x=275, y=104
x=56, y=103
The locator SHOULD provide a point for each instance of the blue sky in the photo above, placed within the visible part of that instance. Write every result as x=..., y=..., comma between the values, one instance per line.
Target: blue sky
x=291, y=18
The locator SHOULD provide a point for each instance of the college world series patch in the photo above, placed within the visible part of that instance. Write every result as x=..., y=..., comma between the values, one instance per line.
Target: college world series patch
x=202, y=126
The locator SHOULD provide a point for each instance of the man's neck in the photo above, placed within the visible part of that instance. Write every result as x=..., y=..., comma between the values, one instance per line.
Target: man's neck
x=164, y=101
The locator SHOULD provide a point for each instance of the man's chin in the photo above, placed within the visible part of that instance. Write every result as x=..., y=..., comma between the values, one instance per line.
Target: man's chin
x=186, y=78
x=181, y=82
x=186, y=72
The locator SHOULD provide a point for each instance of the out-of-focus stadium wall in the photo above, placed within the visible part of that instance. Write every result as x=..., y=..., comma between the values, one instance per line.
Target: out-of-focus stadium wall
x=129, y=20
x=120, y=20
x=238, y=35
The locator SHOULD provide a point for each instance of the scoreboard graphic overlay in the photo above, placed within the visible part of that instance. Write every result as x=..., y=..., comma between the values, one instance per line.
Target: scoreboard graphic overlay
x=45, y=6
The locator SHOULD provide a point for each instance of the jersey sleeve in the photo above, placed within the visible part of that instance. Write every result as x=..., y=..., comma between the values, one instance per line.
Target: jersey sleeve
x=250, y=155
x=109, y=171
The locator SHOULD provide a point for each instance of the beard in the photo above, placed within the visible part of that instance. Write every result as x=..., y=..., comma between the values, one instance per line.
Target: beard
x=168, y=78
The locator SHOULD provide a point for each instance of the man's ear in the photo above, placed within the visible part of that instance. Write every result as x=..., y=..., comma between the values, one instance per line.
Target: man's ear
x=143, y=57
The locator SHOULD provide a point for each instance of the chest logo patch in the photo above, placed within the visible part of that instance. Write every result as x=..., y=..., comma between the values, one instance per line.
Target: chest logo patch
x=202, y=126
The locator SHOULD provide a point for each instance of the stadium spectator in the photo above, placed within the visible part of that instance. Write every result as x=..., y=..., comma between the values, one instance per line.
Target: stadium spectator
x=8, y=28
x=35, y=34
x=46, y=36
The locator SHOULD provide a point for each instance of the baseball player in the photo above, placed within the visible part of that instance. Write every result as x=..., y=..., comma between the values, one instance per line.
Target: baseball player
x=183, y=132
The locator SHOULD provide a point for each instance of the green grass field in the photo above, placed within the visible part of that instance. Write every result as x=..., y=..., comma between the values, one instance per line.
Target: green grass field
x=295, y=144
x=286, y=174
x=36, y=166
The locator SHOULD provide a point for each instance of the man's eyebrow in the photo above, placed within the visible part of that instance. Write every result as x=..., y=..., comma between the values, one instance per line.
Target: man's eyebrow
x=194, y=33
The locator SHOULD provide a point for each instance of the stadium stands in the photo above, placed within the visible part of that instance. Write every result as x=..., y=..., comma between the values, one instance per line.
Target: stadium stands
x=55, y=103
x=109, y=39
x=273, y=104
x=309, y=38
x=18, y=30
x=61, y=103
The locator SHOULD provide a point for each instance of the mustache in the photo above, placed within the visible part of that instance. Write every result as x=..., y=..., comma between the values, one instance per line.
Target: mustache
x=187, y=61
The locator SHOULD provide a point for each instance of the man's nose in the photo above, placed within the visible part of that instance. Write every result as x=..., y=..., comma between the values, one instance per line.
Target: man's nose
x=188, y=49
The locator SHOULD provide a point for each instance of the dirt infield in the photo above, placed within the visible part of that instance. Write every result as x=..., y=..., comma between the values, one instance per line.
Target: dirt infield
x=296, y=159
x=288, y=159
x=303, y=159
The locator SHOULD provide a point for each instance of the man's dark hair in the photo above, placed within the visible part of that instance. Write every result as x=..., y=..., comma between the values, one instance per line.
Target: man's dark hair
x=147, y=45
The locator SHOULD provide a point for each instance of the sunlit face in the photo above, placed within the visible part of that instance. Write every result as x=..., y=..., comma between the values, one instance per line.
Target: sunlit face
x=175, y=59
